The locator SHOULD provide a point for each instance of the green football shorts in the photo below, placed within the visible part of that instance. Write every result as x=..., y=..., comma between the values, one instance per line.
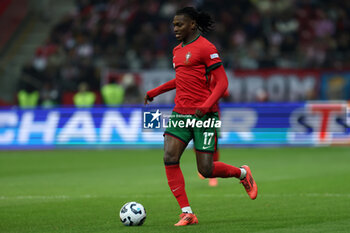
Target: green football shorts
x=203, y=131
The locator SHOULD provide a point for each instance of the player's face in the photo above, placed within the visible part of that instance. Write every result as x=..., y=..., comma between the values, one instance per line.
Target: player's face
x=183, y=27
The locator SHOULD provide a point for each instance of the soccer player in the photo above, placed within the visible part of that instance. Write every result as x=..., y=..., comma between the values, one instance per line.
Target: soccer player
x=194, y=60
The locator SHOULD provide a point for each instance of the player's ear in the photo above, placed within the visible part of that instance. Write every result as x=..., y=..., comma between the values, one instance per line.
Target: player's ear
x=193, y=25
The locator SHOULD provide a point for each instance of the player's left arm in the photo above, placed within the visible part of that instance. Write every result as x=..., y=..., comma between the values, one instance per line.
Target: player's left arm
x=210, y=57
x=212, y=85
x=220, y=88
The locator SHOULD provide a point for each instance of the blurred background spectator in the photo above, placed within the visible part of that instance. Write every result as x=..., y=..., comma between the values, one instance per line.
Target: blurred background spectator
x=134, y=35
x=84, y=98
x=133, y=93
x=112, y=93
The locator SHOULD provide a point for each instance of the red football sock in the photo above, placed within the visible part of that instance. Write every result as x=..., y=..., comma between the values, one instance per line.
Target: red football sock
x=176, y=183
x=224, y=170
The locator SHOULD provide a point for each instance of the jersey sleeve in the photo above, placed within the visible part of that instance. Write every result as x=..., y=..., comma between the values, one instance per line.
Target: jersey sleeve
x=210, y=57
x=218, y=90
x=168, y=86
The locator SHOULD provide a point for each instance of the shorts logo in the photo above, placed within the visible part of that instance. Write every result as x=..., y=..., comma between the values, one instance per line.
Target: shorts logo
x=151, y=120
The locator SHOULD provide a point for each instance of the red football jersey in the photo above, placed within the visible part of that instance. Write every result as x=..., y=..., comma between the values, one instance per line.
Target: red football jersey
x=192, y=63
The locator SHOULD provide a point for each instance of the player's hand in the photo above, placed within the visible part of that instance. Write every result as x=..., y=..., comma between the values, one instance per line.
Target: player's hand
x=147, y=98
x=199, y=114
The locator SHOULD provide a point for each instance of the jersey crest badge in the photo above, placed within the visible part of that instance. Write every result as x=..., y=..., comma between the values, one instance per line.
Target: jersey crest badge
x=188, y=55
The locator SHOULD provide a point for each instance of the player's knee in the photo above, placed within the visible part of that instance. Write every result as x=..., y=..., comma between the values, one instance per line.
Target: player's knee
x=205, y=171
x=170, y=157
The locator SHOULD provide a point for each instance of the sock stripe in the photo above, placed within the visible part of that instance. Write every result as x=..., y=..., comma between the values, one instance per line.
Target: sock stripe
x=171, y=163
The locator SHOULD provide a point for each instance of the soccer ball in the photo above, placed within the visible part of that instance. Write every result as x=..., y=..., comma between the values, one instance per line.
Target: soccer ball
x=132, y=214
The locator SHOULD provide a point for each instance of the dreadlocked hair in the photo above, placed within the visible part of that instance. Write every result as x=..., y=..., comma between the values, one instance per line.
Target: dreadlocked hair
x=204, y=21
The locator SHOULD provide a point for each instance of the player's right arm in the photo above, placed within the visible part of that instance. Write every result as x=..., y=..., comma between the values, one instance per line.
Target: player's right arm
x=168, y=86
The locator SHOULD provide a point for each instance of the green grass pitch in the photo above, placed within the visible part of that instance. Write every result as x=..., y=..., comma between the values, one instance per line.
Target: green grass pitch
x=300, y=190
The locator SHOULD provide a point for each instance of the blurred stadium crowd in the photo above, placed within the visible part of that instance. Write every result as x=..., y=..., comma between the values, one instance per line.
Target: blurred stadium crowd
x=137, y=35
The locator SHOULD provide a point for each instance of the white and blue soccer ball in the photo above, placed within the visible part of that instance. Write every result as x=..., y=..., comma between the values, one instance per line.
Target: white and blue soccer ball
x=132, y=214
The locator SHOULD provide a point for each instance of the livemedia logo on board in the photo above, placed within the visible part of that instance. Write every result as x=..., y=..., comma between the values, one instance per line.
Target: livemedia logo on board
x=156, y=120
